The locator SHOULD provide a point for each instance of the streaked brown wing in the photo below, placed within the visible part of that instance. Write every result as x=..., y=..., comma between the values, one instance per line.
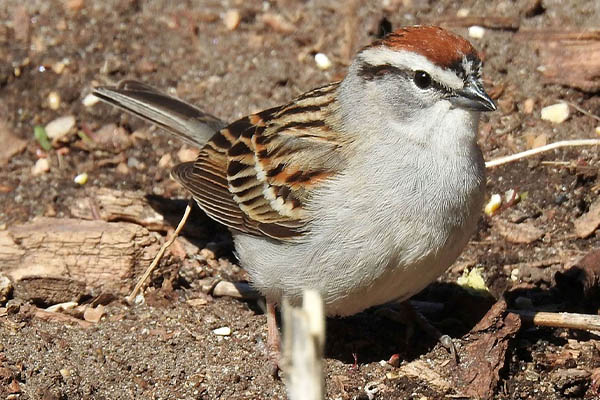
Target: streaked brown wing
x=256, y=175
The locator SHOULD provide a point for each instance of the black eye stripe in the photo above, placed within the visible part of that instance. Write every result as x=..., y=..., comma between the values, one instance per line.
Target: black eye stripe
x=371, y=72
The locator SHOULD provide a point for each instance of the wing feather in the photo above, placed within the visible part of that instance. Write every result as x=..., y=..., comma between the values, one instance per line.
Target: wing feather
x=257, y=174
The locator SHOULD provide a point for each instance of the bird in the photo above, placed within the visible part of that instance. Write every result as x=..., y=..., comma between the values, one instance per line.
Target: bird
x=365, y=189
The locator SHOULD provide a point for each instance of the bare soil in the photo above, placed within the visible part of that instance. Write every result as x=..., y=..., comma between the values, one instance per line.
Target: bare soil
x=166, y=348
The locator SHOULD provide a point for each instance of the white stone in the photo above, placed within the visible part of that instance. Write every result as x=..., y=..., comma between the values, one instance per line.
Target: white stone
x=90, y=100
x=323, y=62
x=476, y=32
x=41, y=166
x=223, y=331
x=556, y=113
x=60, y=127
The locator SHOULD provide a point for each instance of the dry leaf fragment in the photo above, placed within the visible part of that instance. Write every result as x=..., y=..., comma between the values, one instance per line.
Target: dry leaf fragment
x=588, y=222
x=523, y=233
x=278, y=23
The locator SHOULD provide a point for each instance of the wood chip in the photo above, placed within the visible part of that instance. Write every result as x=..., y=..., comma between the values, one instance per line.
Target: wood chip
x=93, y=314
x=420, y=370
x=522, y=233
x=588, y=222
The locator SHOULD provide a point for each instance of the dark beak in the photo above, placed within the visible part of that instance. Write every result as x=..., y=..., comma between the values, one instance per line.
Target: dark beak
x=473, y=97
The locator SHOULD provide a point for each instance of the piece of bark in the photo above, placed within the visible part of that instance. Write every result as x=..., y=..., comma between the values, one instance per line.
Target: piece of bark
x=590, y=221
x=100, y=256
x=582, y=280
x=570, y=58
x=484, y=352
x=117, y=205
x=571, y=382
x=522, y=233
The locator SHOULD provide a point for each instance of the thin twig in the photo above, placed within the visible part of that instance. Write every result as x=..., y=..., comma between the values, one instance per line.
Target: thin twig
x=586, y=322
x=159, y=255
x=584, y=112
x=565, y=143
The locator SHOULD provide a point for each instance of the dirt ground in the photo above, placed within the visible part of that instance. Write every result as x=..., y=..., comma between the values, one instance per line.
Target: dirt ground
x=166, y=347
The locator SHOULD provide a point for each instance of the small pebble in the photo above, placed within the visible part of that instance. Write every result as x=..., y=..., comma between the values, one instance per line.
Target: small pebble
x=65, y=373
x=463, y=12
x=122, y=169
x=528, y=106
x=223, y=331
x=493, y=204
x=166, y=161
x=133, y=162
x=232, y=19
x=90, y=100
x=81, y=179
x=186, y=154
x=556, y=113
x=514, y=275
x=41, y=166
x=560, y=198
x=476, y=32
x=511, y=196
x=54, y=100
x=139, y=299
x=598, y=130
x=58, y=67
x=323, y=62
x=60, y=127
x=197, y=302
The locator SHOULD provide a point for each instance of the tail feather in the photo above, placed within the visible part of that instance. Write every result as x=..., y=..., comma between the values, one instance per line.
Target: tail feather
x=178, y=117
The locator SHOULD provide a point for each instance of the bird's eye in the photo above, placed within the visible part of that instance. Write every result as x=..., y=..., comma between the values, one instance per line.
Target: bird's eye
x=422, y=79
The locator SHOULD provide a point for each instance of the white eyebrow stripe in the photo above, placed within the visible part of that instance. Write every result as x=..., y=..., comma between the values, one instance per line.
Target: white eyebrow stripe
x=408, y=60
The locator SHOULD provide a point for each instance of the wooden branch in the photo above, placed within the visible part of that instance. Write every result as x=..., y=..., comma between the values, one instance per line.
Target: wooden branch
x=504, y=23
x=538, y=150
x=586, y=322
x=547, y=35
x=51, y=256
x=303, y=343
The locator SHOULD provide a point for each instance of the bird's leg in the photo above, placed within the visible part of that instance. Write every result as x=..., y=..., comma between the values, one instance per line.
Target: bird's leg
x=273, y=340
x=405, y=312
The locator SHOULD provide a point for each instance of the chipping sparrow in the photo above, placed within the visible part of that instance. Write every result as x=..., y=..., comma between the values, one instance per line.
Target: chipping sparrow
x=365, y=190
